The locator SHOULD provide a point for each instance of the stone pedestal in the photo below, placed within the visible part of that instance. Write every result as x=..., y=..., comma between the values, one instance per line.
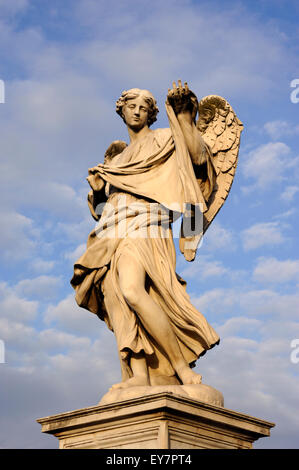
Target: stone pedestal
x=155, y=421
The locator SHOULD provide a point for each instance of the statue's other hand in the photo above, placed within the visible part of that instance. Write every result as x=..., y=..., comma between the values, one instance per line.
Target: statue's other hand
x=93, y=171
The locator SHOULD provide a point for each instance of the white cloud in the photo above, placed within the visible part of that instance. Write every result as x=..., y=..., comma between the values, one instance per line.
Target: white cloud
x=234, y=325
x=62, y=200
x=61, y=142
x=15, y=307
x=268, y=302
x=24, y=343
x=18, y=236
x=218, y=300
x=72, y=102
x=68, y=316
x=12, y=7
x=40, y=381
x=262, y=234
x=278, y=129
x=218, y=303
x=267, y=164
x=274, y=271
x=253, y=367
x=41, y=266
x=204, y=267
x=289, y=193
x=57, y=122
x=19, y=45
x=64, y=119
x=146, y=40
x=19, y=338
x=75, y=254
x=42, y=287
x=286, y=214
x=61, y=129
x=53, y=339
x=218, y=237
x=77, y=231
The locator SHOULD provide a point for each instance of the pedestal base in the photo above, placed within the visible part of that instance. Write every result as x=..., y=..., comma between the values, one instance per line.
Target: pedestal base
x=199, y=392
x=157, y=421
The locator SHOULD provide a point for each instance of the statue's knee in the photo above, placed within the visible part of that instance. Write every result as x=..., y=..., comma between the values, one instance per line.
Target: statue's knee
x=131, y=294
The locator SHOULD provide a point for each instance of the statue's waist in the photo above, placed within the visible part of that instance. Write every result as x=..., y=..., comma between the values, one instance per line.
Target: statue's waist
x=117, y=195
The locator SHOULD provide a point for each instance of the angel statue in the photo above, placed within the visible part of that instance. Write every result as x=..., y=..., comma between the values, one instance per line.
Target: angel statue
x=127, y=275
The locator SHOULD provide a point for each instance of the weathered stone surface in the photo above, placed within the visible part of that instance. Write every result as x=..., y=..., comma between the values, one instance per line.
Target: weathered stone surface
x=159, y=421
x=201, y=392
x=127, y=275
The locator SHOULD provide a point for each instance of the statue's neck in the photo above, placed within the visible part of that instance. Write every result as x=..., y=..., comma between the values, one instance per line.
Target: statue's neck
x=137, y=135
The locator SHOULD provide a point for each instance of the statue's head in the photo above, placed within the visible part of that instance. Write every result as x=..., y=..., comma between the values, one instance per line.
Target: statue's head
x=134, y=93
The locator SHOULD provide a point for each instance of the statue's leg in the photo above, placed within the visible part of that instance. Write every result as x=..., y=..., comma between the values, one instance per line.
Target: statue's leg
x=132, y=284
x=137, y=362
x=140, y=374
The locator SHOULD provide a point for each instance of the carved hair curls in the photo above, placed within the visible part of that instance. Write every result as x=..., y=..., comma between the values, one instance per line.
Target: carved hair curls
x=148, y=98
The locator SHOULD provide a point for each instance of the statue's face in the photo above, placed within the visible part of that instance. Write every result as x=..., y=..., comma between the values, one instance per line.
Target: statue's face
x=135, y=113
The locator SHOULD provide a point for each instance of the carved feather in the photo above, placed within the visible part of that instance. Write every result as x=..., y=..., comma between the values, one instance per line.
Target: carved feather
x=221, y=129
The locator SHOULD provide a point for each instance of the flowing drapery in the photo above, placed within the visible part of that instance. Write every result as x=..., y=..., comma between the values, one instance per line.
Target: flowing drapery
x=154, y=172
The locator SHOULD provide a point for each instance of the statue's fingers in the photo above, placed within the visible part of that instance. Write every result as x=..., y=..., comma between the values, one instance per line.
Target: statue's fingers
x=180, y=88
x=186, y=87
x=174, y=85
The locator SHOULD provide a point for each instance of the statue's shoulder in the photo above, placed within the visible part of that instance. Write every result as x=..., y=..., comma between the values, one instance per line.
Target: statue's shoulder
x=162, y=135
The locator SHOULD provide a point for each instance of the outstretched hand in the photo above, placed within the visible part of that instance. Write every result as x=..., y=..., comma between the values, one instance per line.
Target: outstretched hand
x=181, y=98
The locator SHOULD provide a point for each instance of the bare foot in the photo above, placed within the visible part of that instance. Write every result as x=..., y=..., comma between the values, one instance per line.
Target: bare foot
x=132, y=382
x=187, y=376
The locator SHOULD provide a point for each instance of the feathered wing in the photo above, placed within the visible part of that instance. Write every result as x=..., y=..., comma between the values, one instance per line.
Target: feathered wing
x=221, y=129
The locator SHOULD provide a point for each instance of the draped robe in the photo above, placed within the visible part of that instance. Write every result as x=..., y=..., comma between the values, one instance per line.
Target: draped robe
x=143, y=184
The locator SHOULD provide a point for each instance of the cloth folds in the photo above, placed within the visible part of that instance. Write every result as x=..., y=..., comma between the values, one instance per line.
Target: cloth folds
x=148, y=184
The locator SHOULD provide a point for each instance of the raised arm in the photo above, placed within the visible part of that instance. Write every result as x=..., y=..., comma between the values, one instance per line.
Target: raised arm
x=184, y=104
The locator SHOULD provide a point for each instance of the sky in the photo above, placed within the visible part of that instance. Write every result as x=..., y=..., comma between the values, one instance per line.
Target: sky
x=63, y=65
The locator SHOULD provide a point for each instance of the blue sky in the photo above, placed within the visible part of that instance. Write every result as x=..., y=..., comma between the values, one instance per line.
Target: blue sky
x=64, y=64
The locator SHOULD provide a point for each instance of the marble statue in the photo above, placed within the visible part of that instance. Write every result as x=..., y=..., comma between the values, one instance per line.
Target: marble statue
x=127, y=275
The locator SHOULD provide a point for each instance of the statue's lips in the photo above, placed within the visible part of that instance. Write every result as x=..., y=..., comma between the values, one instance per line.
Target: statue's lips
x=136, y=121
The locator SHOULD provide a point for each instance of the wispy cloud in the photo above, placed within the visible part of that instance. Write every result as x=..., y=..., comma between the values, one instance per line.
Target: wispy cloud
x=289, y=193
x=262, y=234
x=273, y=270
x=64, y=65
x=219, y=237
x=267, y=165
x=18, y=236
x=14, y=306
x=278, y=129
x=43, y=287
x=204, y=267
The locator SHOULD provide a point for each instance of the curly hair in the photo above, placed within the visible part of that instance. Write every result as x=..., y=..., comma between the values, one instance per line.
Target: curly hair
x=134, y=93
